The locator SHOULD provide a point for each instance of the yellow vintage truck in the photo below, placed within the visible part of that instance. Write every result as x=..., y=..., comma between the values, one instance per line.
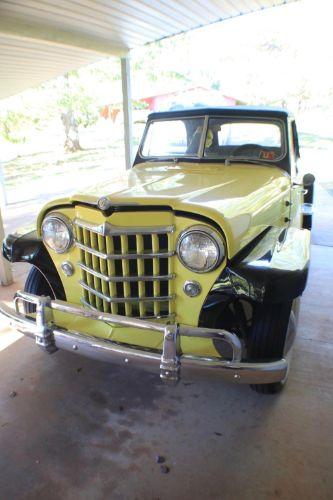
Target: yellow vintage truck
x=194, y=268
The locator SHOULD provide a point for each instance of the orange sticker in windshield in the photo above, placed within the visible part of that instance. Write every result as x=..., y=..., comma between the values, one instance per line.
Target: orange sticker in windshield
x=267, y=155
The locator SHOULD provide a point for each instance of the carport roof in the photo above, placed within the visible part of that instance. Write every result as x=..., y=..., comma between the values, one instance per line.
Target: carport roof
x=41, y=39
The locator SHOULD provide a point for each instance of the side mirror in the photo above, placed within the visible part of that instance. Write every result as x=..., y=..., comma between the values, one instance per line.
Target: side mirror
x=308, y=180
x=308, y=183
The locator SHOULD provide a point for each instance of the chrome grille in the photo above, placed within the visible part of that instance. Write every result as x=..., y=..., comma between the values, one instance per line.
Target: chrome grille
x=126, y=270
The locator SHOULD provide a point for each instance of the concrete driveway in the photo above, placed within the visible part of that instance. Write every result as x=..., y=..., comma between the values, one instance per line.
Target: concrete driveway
x=73, y=428
x=81, y=429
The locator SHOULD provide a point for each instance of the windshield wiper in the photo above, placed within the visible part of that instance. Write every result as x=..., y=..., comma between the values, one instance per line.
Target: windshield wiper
x=231, y=158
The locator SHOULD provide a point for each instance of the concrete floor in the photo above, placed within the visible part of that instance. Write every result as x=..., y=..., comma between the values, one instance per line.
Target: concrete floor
x=87, y=430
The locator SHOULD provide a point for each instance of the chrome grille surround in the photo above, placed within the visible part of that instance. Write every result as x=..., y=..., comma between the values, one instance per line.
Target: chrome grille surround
x=126, y=270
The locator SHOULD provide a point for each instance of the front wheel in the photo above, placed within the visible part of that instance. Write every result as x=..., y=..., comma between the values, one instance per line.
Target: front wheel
x=37, y=284
x=272, y=335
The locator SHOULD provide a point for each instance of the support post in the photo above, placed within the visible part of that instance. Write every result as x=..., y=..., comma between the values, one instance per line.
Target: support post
x=6, y=277
x=127, y=109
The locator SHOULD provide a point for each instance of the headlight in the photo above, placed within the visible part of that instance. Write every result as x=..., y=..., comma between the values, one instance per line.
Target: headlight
x=57, y=232
x=201, y=249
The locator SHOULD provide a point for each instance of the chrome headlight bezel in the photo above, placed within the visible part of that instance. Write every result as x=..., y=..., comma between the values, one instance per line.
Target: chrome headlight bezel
x=69, y=226
x=211, y=234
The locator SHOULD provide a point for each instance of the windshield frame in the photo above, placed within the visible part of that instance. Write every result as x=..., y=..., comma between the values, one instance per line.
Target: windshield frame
x=201, y=150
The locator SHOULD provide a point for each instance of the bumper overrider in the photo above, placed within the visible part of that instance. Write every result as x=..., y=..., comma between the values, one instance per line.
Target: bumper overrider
x=169, y=362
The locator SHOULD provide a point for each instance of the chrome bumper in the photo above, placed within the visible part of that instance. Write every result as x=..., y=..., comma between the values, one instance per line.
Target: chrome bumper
x=51, y=338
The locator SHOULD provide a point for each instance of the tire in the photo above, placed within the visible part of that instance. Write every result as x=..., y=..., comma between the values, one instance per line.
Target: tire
x=37, y=284
x=272, y=334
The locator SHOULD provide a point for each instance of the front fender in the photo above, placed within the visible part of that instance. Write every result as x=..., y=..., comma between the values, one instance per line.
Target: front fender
x=23, y=248
x=30, y=248
x=271, y=270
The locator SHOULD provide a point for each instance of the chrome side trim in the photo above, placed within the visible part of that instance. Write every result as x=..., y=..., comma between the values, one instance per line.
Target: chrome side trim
x=169, y=361
x=119, y=256
x=120, y=300
x=107, y=229
x=120, y=279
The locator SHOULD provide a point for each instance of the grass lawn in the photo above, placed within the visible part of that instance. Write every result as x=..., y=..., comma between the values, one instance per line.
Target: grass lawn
x=23, y=169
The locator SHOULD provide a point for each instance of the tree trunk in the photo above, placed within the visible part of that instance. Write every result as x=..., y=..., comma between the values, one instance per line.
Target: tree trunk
x=72, y=141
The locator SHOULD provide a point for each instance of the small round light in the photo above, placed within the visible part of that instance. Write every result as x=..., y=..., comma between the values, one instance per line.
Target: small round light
x=57, y=233
x=192, y=288
x=67, y=268
x=200, y=249
x=104, y=203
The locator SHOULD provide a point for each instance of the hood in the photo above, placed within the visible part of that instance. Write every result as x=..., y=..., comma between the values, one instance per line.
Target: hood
x=240, y=198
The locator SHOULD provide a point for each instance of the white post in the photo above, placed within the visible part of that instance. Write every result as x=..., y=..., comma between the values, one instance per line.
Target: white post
x=4, y=200
x=127, y=109
x=6, y=277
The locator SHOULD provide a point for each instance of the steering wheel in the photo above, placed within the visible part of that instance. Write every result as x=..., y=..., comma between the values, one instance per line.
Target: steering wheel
x=249, y=147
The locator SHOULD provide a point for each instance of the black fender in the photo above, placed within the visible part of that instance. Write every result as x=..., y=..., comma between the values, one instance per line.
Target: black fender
x=31, y=249
x=272, y=269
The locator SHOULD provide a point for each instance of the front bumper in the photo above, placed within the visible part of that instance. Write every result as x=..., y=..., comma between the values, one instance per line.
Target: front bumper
x=50, y=338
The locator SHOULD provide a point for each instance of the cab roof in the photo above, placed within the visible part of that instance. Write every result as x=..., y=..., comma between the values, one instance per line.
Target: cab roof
x=238, y=111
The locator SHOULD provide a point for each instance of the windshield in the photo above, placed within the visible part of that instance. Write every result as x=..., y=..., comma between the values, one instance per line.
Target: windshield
x=215, y=138
x=255, y=139
x=173, y=138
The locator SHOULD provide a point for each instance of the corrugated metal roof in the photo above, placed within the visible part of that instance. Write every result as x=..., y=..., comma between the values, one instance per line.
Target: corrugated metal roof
x=41, y=39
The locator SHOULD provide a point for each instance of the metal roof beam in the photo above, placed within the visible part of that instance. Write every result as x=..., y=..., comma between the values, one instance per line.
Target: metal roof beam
x=20, y=29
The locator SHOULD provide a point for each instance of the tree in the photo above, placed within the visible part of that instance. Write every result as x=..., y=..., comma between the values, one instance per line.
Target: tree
x=13, y=125
x=18, y=116
x=77, y=109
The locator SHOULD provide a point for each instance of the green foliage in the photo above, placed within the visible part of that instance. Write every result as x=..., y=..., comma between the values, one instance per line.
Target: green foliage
x=35, y=109
x=139, y=105
x=72, y=96
x=12, y=126
x=156, y=63
x=216, y=85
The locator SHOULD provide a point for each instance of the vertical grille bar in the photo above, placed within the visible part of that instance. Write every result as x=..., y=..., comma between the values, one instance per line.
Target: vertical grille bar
x=156, y=272
x=126, y=273
x=141, y=272
x=90, y=279
x=111, y=272
x=95, y=262
x=84, y=260
x=170, y=270
x=104, y=270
